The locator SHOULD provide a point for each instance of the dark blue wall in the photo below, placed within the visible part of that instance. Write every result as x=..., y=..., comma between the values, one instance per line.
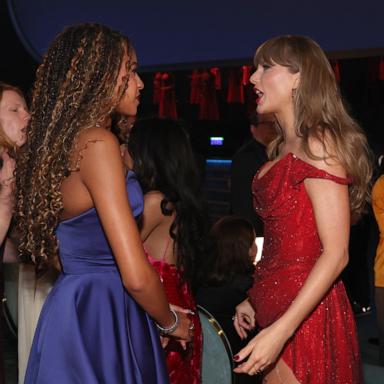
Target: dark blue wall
x=174, y=32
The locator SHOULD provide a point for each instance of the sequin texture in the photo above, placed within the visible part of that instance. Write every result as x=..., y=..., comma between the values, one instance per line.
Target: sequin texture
x=184, y=366
x=324, y=349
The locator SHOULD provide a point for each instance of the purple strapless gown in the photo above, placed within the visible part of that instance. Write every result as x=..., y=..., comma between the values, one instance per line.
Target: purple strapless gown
x=90, y=329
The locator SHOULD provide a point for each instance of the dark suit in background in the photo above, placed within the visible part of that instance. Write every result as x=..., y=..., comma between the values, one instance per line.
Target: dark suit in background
x=245, y=163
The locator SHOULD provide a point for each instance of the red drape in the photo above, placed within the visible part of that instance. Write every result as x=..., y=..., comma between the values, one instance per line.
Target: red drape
x=167, y=97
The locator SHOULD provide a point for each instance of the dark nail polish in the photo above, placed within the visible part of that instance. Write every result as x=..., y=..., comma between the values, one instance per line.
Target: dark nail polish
x=236, y=357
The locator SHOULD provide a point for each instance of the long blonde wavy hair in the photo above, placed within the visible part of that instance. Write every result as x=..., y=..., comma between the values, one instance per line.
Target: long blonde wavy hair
x=320, y=112
x=74, y=90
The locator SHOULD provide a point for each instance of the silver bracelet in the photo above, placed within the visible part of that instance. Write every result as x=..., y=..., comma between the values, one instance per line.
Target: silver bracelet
x=172, y=328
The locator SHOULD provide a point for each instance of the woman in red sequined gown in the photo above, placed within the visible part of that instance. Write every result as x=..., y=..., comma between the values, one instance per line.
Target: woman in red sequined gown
x=317, y=177
x=173, y=226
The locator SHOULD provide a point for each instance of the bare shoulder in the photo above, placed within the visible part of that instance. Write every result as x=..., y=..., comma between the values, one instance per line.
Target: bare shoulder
x=96, y=134
x=153, y=216
x=325, y=151
x=153, y=208
x=94, y=144
x=153, y=199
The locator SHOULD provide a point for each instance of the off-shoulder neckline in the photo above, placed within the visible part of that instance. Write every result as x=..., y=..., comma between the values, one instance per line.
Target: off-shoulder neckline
x=258, y=177
x=291, y=155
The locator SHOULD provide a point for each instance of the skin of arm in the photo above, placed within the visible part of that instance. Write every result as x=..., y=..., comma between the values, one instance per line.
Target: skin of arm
x=6, y=193
x=5, y=220
x=330, y=203
x=102, y=173
x=10, y=252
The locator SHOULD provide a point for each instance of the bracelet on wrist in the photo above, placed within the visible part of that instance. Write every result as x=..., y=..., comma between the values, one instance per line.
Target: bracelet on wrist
x=169, y=330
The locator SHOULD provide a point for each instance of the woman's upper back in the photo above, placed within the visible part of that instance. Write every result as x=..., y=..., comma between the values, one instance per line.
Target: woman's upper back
x=155, y=229
x=92, y=146
x=83, y=245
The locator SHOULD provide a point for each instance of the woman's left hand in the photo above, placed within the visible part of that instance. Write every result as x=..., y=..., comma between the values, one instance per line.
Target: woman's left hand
x=165, y=339
x=262, y=351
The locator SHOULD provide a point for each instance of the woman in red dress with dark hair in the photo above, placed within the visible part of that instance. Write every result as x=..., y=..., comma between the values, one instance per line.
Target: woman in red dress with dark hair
x=317, y=177
x=173, y=226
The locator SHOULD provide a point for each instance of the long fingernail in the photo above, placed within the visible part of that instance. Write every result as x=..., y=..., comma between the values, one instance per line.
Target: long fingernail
x=236, y=357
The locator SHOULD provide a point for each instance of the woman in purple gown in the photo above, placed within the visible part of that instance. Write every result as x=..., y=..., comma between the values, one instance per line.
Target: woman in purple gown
x=74, y=199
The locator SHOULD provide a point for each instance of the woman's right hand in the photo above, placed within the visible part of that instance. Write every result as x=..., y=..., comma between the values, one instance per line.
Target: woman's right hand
x=244, y=319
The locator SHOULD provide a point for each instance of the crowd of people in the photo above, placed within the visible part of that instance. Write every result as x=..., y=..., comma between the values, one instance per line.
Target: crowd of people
x=115, y=246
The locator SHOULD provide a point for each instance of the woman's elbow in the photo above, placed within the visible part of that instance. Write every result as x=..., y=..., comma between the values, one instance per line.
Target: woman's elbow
x=138, y=284
x=344, y=259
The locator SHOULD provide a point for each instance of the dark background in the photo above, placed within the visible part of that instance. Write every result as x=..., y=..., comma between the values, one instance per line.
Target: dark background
x=174, y=32
x=358, y=59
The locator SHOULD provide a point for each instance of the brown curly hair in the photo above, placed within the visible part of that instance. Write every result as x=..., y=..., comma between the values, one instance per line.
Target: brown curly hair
x=74, y=90
x=320, y=112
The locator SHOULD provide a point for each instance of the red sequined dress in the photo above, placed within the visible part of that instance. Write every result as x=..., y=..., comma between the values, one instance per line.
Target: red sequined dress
x=183, y=366
x=324, y=349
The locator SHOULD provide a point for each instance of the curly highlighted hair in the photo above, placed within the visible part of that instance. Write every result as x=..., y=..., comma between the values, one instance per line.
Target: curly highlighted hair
x=75, y=89
x=320, y=112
